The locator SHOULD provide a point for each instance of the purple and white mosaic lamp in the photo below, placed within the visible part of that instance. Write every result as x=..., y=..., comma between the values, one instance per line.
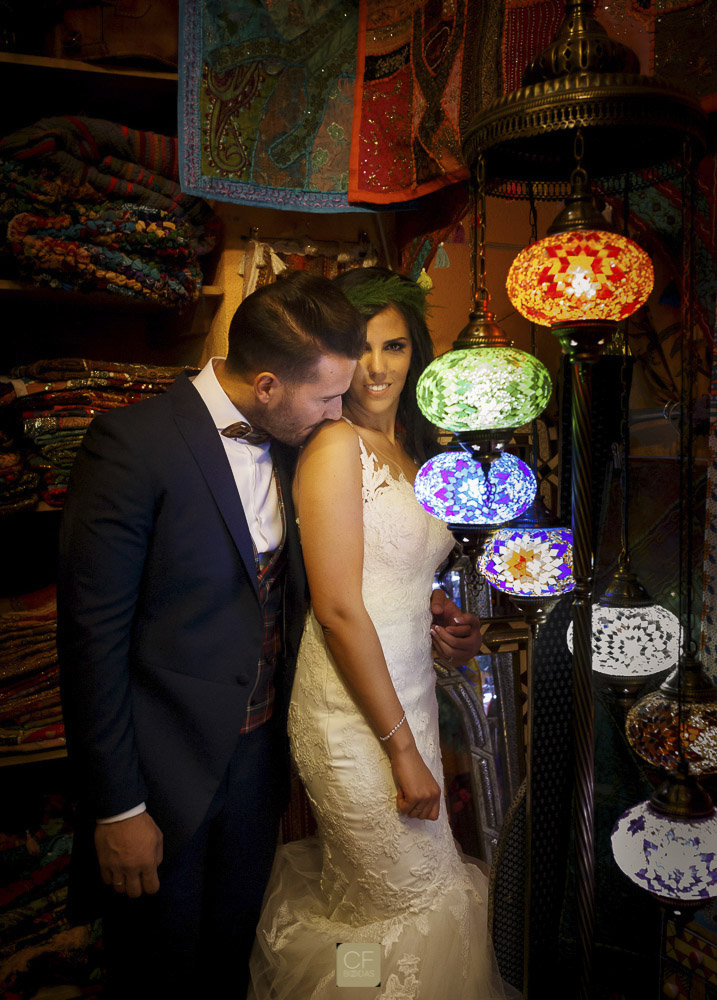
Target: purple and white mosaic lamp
x=668, y=844
x=459, y=489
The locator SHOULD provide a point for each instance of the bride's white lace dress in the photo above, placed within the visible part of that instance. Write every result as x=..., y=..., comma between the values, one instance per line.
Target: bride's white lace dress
x=374, y=875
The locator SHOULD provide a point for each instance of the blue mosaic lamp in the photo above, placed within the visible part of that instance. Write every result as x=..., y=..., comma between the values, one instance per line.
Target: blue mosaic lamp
x=530, y=562
x=668, y=844
x=459, y=489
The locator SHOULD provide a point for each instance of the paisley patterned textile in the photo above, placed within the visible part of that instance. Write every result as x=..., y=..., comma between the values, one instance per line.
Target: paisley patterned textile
x=374, y=875
x=266, y=101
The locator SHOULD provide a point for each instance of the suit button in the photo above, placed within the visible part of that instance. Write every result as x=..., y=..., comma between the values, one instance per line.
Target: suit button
x=241, y=679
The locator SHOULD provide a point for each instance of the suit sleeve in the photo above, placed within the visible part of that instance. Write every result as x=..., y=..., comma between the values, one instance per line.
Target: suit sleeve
x=106, y=528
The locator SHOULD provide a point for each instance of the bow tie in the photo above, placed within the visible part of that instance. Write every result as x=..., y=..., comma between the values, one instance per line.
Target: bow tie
x=245, y=432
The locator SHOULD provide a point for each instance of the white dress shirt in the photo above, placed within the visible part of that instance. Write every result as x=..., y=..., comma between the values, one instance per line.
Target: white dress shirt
x=253, y=472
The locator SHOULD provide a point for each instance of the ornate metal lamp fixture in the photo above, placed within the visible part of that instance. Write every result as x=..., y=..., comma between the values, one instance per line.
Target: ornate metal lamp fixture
x=633, y=639
x=629, y=122
x=483, y=388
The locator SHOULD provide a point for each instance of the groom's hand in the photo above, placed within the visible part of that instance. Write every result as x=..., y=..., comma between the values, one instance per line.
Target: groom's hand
x=129, y=853
x=456, y=634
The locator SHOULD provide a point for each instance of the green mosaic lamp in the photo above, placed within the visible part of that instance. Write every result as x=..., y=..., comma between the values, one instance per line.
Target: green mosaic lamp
x=483, y=384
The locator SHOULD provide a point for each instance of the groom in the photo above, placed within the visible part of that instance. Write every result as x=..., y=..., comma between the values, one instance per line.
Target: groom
x=181, y=599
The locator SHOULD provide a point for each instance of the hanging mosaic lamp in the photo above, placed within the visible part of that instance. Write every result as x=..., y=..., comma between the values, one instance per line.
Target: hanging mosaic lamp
x=526, y=561
x=582, y=278
x=531, y=561
x=633, y=639
x=653, y=722
x=668, y=844
x=483, y=383
x=459, y=489
x=584, y=274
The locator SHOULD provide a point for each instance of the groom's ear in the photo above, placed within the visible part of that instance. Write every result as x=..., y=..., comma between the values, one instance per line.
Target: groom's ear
x=268, y=388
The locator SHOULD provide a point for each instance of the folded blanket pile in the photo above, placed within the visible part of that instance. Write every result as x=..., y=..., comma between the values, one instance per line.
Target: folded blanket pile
x=30, y=712
x=48, y=407
x=92, y=205
x=38, y=947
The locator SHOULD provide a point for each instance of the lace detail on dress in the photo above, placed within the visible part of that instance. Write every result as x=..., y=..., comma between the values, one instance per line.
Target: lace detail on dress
x=373, y=874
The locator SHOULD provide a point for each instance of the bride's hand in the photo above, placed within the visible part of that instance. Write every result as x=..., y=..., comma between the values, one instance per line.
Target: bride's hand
x=418, y=795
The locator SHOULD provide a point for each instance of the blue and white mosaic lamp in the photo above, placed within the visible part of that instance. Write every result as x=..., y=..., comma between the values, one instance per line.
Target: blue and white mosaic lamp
x=668, y=845
x=456, y=488
x=529, y=562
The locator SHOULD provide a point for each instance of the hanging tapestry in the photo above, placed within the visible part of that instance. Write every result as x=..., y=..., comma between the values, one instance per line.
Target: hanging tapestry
x=414, y=80
x=528, y=29
x=265, y=101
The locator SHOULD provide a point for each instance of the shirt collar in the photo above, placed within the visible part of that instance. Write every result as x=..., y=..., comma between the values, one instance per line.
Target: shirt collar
x=221, y=409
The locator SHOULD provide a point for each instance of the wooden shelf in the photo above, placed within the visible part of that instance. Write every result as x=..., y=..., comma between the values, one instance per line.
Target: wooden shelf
x=78, y=318
x=78, y=66
x=11, y=760
x=139, y=98
x=28, y=288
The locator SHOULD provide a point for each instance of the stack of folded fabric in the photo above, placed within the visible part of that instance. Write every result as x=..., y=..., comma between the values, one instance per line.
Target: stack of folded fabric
x=92, y=205
x=30, y=712
x=55, y=401
x=19, y=483
x=39, y=948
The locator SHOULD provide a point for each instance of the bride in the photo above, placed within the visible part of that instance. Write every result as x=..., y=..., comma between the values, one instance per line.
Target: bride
x=363, y=720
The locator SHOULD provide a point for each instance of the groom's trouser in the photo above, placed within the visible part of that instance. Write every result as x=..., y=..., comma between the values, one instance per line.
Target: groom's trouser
x=194, y=937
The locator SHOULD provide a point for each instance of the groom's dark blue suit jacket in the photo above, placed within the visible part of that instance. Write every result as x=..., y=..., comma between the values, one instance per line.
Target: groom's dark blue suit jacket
x=159, y=622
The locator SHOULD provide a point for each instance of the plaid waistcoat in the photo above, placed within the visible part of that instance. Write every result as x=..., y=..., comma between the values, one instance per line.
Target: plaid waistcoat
x=271, y=587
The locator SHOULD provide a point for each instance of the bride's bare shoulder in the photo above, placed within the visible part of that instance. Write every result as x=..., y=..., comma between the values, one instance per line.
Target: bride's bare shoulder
x=338, y=435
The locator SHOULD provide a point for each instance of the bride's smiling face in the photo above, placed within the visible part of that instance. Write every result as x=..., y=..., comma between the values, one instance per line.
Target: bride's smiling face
x=381, y=372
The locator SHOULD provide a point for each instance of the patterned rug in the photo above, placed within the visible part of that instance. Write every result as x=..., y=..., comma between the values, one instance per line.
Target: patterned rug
x=265, y=101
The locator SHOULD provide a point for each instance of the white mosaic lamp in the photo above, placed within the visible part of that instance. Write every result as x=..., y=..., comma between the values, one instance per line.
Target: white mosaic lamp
x=668, y=844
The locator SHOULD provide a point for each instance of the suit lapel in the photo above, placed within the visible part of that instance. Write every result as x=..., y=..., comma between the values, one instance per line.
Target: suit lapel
x=198, y=430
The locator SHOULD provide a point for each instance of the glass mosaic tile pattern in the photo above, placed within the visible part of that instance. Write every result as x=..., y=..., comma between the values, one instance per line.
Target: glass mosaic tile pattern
x=673, y=859
x=633, y=642
x=582, y=275
x=652, y=730
x=531, y=562
x=483, y=388
x=453, y=487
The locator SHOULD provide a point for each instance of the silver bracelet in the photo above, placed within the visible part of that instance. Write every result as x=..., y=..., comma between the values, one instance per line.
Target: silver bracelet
x=397, y=726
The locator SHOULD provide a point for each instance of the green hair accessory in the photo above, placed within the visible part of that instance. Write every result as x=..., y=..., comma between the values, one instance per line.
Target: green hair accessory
x=378, y=293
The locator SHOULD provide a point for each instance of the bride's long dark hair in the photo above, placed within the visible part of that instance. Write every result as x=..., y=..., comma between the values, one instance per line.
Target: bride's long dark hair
x=371, y=290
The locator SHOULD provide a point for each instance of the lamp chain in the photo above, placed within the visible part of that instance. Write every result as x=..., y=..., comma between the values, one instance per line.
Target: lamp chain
x=481, y=292
x=533, y=219
x=686, y=437
x=687, y=401
x=474, y=241
x=625, y=406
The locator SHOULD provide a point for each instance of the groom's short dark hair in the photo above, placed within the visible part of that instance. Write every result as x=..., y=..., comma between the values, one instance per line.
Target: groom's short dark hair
x=286, y=327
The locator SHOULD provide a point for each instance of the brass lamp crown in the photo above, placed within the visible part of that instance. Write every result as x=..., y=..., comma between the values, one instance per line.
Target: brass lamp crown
x=581, y=46
x=481, y=329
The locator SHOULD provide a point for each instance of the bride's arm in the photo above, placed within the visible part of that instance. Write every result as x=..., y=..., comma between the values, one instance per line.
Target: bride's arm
x=329, y=504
